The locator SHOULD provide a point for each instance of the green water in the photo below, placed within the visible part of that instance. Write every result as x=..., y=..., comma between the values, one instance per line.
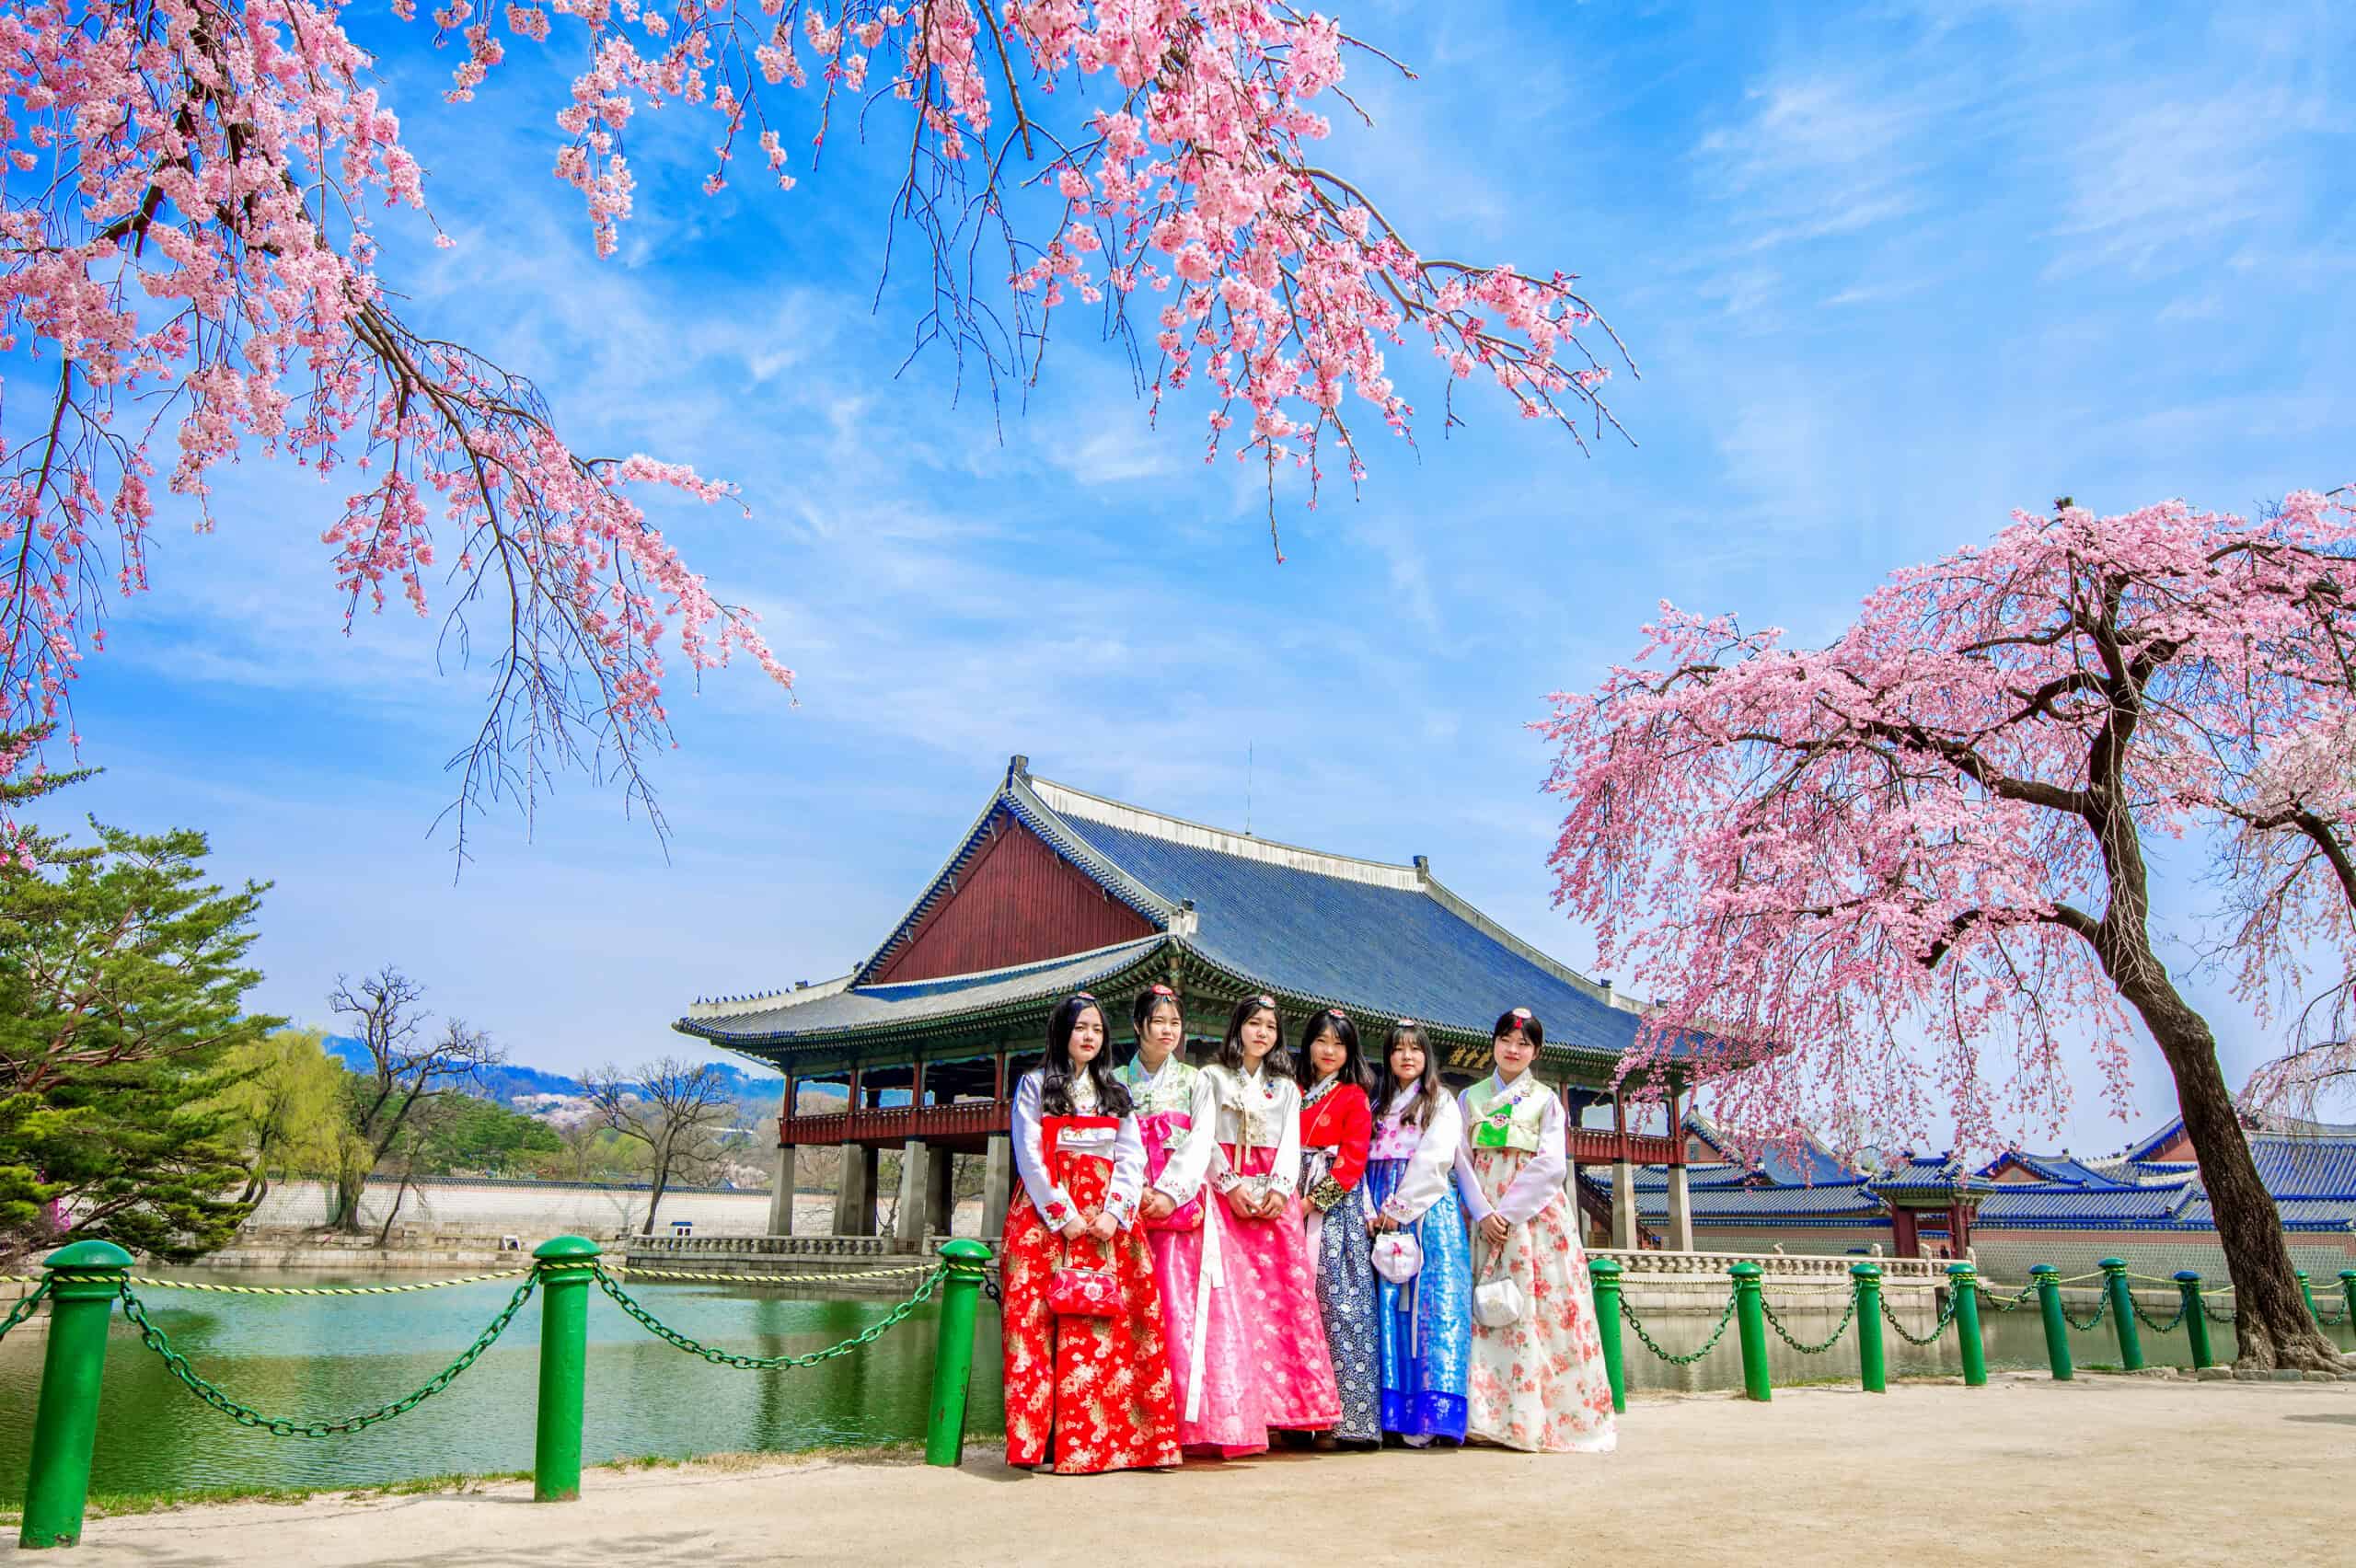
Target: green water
x=329, y=1358
x=326, y=1358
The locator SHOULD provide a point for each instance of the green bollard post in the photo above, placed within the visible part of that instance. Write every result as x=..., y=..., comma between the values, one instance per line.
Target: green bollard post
x=1964, y=1280
x=2196, y=1321
x=2123, y=1314
x=566, y=1264
x=952, y=1353
x=1873, y=1371
x=84, y=1280
x=2306, y=1291
x=1605, y=1274
x=1751, y=1319
x=2048, y=1280
x=2348, y=1294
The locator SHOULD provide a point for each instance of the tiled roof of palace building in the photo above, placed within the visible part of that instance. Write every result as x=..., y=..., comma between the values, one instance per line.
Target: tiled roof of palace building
x=1317, y=929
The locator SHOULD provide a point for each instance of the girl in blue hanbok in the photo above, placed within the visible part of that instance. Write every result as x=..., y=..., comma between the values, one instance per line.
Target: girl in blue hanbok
x=1424, y=1318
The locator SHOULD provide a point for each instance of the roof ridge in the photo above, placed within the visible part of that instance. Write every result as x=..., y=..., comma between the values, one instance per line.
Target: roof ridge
x=1005, y=971
x=1069, y=800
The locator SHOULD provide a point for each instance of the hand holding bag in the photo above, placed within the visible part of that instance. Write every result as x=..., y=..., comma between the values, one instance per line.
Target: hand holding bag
x=1498, y=1302
x=1398, y=1256
x=1074, y=1292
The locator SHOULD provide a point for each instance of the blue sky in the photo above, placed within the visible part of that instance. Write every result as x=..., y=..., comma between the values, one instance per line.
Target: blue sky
x=1889, y=271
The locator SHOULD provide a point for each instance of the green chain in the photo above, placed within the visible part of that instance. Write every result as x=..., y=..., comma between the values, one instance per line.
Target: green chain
x=2154, y=1323
x=2102, y=1305
x=281, y=1427
x=1712, y=1343
x=1946, y=1316
x=663, y=1331
x=2013, y=1303
x=2334, y=1320
x=2228, y=1317
x=1777, y=1324
x=23, y=1309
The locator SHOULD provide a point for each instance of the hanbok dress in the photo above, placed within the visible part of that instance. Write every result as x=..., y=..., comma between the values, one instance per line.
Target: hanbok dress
x=1336, y=1125
x=1284, y=1378
x=1084, y=1394
x=1426, y=1324
x=1538, y=1383
x=1176, y=1111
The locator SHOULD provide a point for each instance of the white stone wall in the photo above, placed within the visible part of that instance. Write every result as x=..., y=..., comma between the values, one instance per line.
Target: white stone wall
x=529, y=1210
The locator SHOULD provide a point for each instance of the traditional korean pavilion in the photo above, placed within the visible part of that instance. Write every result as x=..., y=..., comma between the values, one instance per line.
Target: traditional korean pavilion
x=1052, y=890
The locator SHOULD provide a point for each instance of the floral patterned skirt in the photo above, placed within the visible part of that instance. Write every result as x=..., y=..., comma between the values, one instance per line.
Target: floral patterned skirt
x=1426, y=1325
x=1346, y=1304
x=1272, y=1371
x=1090, y=1394
x=1539, y=1383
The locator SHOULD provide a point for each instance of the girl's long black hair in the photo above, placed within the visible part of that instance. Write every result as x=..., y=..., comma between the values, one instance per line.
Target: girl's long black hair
x=1055, y=1065
x=1428, y=1088
x=1337, y=1023
x=1278, y=1061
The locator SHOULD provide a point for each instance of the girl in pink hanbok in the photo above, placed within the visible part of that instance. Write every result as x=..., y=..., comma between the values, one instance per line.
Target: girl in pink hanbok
x=1537, y=1379
x=1177, y=1114
x=1280, y=1376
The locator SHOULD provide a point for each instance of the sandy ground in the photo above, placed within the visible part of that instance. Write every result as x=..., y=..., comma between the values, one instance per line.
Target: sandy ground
x=2104, y=1470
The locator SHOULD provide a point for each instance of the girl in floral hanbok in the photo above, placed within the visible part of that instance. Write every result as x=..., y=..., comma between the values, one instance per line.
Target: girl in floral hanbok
x=1537, y=1377
x=1087, y=1385
x=1425, y=1320
x=1283, y=1377
x=1337, y=1124
x=1177, y=1114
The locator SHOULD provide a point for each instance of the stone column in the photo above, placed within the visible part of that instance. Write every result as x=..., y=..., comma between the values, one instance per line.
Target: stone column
x=1624, y=1205
x=855, y=1193
x=1678, y=1234
x=908, y=1226
x=940, y=1175
x=998, y=1187
x=781, y=1193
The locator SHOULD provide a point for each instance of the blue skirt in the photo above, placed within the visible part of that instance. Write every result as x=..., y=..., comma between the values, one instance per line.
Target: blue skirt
x=1425, y=1324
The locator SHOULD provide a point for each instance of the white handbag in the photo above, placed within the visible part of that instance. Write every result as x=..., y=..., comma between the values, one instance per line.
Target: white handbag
x=1499, y=1303
x=1398, y=1257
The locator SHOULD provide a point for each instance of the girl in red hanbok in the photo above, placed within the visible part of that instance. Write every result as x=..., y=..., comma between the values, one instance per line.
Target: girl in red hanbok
x=1088, y=1383
x=1285, y=1379
x=1336, y=1125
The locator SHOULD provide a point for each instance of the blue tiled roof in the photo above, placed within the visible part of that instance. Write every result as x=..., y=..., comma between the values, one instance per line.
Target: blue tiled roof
x=2298, y=1214
x=2294, y=1166
x=2055, y=1167
x=1387, y=949
x=2029, y=1205
x=1841, y=1202
x=1932, y=1173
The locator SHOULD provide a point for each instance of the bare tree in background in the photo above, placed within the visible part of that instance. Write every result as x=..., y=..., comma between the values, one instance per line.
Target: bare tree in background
x=678, y=1109
x=407, y=1068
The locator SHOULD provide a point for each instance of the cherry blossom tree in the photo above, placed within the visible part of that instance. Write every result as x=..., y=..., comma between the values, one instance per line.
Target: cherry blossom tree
x=1918, y=860
x=190, y=265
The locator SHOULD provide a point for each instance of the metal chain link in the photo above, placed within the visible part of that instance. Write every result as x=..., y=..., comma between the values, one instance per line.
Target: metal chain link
x=989, y=1288
x=23, y=1309
x=1777, y=1324
x=2102, y=1305
x=2229, y=1317
x=281, y=1427
x=1946, y=1316
x=663, y=1331
x=2013, y=1303
x=2154, y=1323
x=1710, y=1344
x=2334, y=1320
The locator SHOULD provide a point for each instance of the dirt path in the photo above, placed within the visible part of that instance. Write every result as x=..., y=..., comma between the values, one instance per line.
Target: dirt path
x=2102, y=1471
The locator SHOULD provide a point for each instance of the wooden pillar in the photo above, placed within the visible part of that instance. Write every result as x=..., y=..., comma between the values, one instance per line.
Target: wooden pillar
x=908, y=1223
x=1905, y=1238
x=1570, y=1151
x=781, y=1193
x=998, y=1186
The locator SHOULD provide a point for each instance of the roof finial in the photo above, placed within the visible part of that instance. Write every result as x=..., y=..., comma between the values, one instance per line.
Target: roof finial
x=1017, y=766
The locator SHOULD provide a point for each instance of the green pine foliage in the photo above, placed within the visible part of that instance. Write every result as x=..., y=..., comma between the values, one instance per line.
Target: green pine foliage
x=122, y=974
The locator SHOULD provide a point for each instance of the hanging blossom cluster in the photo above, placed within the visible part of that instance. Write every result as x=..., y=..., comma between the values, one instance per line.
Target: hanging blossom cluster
x=1188, y=179
x=1904, y=874
x=190, y=269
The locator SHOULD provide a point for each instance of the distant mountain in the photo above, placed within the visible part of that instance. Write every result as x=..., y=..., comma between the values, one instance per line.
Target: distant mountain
x=507, y=1083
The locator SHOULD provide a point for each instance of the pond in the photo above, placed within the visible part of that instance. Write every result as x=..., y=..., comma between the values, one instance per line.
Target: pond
x=329, y=1358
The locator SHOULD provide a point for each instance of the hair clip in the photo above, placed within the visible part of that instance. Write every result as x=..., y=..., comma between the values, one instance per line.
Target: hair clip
x=1405, y=1024
x=1162, y=990
x=1521, y=1013
x=1268, y=1002
x=1083, y=996
x=1336, y=1012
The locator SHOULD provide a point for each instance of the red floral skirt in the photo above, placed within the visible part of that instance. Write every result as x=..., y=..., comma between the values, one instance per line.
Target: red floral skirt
x=1090, y=1394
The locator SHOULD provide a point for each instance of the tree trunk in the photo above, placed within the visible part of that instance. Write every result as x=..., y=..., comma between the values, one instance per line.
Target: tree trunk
x=2273, y=1322
x=662, y=1178
x=350, y=1187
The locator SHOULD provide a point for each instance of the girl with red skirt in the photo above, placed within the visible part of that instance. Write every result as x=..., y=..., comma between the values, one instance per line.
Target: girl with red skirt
x=1088, y=1378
